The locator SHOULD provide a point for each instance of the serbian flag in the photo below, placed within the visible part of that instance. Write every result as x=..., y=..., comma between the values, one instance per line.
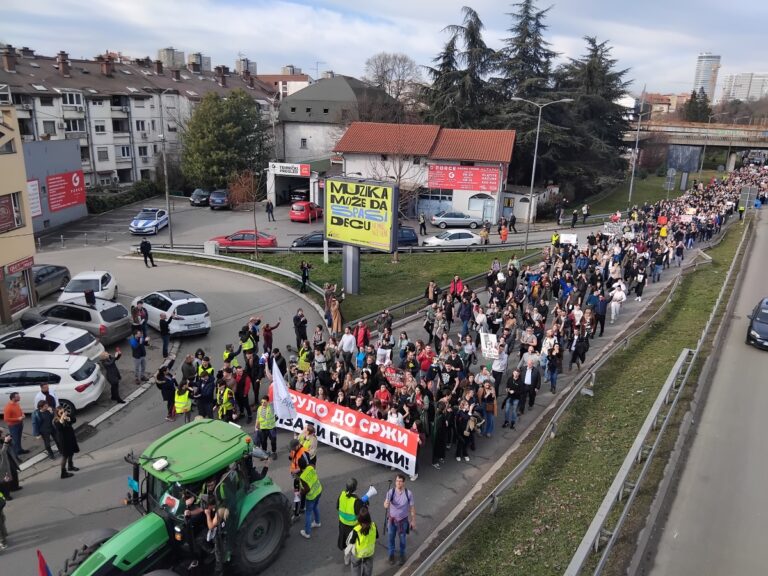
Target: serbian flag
x=42, y=565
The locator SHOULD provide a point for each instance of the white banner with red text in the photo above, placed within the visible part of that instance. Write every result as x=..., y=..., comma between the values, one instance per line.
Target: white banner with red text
x=355, y=433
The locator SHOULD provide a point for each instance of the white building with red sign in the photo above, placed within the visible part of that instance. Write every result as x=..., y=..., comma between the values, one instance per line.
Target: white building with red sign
x=436, y=168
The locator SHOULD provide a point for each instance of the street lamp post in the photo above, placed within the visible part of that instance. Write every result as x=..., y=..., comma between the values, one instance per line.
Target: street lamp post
x=706, y=139
x=535, y=153
x=635, y=158
x=165, y=169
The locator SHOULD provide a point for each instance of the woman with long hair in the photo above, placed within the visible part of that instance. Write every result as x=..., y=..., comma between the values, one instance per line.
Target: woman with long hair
x=66, y=441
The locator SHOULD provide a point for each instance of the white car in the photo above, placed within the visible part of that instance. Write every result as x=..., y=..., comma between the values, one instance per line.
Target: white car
x=103, y=284
x=453, y=239
x=49, y=338
x=192, y=315
x=76, y=380
x=149, y=221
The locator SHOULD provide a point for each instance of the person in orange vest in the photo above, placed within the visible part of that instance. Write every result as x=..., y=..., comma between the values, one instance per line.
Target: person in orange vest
x=297, y=455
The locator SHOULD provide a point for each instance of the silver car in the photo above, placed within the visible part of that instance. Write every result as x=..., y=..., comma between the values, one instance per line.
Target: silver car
x=445, y=219
x=109, y=321
x=49, y=279
x=453, y=239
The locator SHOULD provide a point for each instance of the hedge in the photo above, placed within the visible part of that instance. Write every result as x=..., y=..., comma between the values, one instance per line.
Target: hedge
x=103, y=201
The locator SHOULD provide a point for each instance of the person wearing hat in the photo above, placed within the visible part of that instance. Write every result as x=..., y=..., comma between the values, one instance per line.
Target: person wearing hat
x=348, y=505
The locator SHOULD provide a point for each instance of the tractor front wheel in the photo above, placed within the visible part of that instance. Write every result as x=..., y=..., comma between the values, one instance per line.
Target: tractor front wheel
x=261, y=535
x=81, y=554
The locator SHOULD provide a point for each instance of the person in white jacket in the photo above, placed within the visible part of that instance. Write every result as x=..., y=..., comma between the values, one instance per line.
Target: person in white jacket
x=617, y=297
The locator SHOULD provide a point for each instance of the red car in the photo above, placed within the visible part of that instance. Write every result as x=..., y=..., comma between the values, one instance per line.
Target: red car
x=246, y=239
x=305, y=212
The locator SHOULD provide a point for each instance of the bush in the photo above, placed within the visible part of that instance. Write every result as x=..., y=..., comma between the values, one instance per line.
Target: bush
x=98, y=203
x=642, y=174
x=661, y=170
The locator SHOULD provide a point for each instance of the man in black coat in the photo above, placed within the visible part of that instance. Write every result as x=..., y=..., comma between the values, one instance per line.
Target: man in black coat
x=112, y=374
x=146, y=250
x=300, y=327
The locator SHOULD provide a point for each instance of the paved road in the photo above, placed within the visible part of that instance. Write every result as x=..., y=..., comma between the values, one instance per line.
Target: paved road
x=92, y=499
x=719, y=518
x=195, y=225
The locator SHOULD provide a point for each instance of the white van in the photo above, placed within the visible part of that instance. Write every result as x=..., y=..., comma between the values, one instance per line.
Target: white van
x=76, y=380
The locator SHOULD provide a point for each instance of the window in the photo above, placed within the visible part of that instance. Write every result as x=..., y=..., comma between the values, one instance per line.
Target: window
x=125, y=151
x=84, y=155
x=172, y=127
x=143, y=151
x=105, y=180
x=80, y=342
x=154, y=148
x=64, y=312
x=141, y=125
x=98, y=102
x=72, y=99
x=303, y=143
x=293, y=109
x=467, y=163
x=100, y=127
x=85, y=371
x=46, y=100
x=139, y=103
x=152, y=123
x=192, y=309
x=383, y=157
x=309, y=110
x=102, y=154
x=49, y=127
x=416, y=160
x=325, y=110
x=74, y=125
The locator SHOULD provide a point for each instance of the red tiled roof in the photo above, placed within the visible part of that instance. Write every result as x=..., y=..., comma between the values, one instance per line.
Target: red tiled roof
x=382, y=138
x=274, y=78
x=428, y=140
x=474, y=145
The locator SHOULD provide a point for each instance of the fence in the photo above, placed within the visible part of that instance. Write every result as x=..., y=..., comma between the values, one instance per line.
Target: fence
x=597, y=533
x=583, y=385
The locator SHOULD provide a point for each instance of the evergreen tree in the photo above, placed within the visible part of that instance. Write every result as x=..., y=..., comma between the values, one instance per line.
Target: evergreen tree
x=224, y=137
x=442, y=96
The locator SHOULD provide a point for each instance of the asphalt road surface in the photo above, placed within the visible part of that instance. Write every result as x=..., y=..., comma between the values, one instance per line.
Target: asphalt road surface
x=719, y=517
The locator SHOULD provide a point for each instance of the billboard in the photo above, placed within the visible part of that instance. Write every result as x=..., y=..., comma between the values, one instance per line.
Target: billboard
x=282, y=169
x=475, y=178
x=361, y=213
x=65, y=190
x=33, y=198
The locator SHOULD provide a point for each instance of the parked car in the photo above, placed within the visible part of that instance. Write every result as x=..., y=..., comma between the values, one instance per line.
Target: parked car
x=49, y=279
x=757, y=331
x=199, y=197
x=305, y=212
x=76, y=380
x=149, y=221
x=49, y=338
x=219, y=199
x=194, y=317
x=406, y=236
x=109, y=321
x=453, y=239
x=299, y=195
x=246, y=240
x=103, y=284
x=313, y=240
x=444, y=219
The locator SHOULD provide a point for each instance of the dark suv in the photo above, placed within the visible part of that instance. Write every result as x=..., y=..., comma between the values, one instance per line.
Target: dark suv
x=219, y=199
x=757, y=331
x=406, y=236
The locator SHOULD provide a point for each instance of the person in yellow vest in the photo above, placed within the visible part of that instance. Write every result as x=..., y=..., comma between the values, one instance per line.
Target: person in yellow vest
x=348, y=504
x=312, y=489
x=182, y=402
x=224, y=405
x=266, y=426
x=556, y=240
x=303, y=360
x=247, y=345
x=308, y=439
x=230, y=356
x=363, y=541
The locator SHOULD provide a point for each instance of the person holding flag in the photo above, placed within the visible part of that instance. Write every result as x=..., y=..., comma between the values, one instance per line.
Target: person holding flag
x=282, y=400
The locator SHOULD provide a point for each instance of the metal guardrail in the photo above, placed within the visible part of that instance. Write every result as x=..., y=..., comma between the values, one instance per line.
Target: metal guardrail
x=596, y=533
x=583, y=384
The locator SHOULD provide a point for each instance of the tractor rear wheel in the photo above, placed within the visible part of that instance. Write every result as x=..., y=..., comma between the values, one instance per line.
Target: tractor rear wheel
x=81, y=554
x=261, y=535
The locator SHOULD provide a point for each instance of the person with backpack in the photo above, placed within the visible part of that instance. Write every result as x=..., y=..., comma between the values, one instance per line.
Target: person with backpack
x=401, y=516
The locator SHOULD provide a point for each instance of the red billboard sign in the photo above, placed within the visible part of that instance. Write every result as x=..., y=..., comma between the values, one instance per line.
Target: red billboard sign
x=477, y=178
x=65, y=190
x=7, y=217
x=20, y=265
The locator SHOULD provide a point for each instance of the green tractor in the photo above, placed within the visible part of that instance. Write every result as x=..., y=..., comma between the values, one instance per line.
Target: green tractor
x=202, y=469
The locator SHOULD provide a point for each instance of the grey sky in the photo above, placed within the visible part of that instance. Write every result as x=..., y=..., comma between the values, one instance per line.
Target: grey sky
x=658, y=40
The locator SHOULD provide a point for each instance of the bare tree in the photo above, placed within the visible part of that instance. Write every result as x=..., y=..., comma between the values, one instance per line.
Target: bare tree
x=395, y=73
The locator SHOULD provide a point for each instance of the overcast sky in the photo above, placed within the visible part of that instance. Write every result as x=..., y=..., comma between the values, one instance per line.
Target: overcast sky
x=657, y=40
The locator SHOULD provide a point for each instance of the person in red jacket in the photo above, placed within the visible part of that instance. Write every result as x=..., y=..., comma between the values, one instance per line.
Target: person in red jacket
x=242, y=389
x=362, y=334
x=456, y=287
x=425, y=358
x=267, y=333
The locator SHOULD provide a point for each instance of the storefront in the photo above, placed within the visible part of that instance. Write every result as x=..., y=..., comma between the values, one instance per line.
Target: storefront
x=17, y=281
x=288, y=183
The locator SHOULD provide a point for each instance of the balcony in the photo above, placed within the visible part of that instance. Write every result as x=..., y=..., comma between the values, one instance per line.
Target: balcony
x=76, y=135
x=73, y=111
x=123, y=159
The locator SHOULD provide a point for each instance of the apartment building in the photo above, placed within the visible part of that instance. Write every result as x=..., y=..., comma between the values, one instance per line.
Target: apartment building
x=118, y=111
x=290, y=80
x=16, y=239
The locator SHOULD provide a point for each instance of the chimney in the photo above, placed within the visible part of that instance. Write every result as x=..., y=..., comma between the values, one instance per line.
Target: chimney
x=27, y=52
x=9, y=59
x=62, y=59
x=194, y=67
x=158, y=67
x=176, y=75
x=107, y=66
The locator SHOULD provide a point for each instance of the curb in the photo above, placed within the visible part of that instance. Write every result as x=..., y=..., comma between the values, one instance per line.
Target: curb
x=104, y=416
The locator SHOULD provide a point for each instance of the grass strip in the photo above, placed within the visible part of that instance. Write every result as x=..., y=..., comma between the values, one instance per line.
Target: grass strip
x=382, y=282
x=540, y=522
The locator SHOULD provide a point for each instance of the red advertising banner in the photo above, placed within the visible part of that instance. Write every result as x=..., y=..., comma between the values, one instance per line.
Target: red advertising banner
x=20, y=265
x=477, y=178
x=355, y=433
x=7, y=218
x=65, y=190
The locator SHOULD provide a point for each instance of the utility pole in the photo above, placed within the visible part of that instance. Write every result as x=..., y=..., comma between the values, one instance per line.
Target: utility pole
x=317, y=68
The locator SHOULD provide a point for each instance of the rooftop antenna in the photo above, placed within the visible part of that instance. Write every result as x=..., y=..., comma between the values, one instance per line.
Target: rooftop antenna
x=317, y=68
